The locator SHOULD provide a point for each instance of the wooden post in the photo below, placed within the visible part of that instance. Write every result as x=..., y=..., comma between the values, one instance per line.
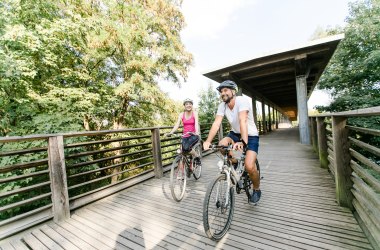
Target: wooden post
x=314, y=136
x=303, y=121
x=269, y=119
x=263, y=116
x=254, y=110
x=58, y=178
x=322, y=142
x=342, y=162
x=156, y=143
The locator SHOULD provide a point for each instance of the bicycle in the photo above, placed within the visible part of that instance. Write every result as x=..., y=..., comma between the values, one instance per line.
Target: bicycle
x=182, y=168
x=219, y=202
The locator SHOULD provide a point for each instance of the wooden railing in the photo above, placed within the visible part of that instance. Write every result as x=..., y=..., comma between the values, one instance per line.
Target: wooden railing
x=352, y=156
x=50, y=175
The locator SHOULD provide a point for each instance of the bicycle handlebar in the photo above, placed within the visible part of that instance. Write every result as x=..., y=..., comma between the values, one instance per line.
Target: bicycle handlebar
x=180, y=136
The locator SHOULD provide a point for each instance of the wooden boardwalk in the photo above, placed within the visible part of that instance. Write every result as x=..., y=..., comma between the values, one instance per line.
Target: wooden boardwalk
x=297, y=211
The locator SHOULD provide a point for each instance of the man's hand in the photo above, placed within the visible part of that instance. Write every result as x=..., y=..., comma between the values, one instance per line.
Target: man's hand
x=206, y=145
x=238, y=146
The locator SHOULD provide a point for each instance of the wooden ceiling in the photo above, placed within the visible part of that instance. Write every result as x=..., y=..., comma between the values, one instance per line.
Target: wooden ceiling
x=272, y=77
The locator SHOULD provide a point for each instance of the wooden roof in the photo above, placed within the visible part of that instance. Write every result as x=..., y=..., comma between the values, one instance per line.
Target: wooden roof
x=272, y=77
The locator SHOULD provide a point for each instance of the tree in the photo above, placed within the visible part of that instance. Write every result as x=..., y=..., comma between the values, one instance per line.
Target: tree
x=353, y=75
x=208, y=104
x=71, y=65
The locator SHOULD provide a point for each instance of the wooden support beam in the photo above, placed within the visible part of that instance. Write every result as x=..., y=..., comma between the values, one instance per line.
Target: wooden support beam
x=303, y=121
x=156, y=143
x=342, y=159
x=57, y=170
x=322, y=142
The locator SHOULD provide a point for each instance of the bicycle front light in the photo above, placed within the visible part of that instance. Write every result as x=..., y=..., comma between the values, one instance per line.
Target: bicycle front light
x=220, y=164
x=178, y=151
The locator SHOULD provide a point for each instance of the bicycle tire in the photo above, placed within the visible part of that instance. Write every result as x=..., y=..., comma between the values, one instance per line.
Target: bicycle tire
x=197, y=169
x=213, y=210
x=178, y=179
x=248, y=182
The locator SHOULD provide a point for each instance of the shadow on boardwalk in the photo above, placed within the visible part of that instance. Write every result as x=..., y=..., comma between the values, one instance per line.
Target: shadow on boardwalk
x=297, y=210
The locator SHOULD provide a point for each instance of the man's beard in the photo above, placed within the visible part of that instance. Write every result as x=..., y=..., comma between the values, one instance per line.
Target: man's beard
x=229, y=98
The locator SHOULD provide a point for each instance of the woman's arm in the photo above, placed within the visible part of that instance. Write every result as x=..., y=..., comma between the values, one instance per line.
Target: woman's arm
x=176, y=126
x=196, y=123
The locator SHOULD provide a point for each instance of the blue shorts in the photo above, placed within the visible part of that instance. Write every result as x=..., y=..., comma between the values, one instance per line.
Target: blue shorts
x=253, y=141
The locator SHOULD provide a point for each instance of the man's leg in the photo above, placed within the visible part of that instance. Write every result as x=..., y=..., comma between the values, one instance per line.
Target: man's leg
x=225, y=142
x=250, y=165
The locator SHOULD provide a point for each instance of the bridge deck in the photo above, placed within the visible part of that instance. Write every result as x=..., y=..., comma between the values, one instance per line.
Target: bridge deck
x=297, y=210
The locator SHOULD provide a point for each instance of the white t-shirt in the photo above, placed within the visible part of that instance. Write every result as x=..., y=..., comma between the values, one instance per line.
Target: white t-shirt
x=241, y=103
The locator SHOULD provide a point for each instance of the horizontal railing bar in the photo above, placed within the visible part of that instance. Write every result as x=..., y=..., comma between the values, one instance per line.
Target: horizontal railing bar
x=81, y=144
x=169, y=145
x=365, y=190
x=169, y=151
x=105, y=150
x=81, y=164
x=24, y=215
x=74, y=198
x=19, y=177
x=372, y=111
x=24, y=202
x=75, y=134
x=99, y=179
x=24, y=189
x=360, y=171
x=365, y=160
x=108, y=167
x=23, y=165
x=22, y=152
x=366, y=146
x=375, y=132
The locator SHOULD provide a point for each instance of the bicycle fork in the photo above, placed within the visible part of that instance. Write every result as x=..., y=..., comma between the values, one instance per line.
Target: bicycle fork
x=221, y=204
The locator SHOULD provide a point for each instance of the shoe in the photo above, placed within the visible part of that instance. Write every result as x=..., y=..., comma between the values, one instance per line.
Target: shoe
x=255, y=197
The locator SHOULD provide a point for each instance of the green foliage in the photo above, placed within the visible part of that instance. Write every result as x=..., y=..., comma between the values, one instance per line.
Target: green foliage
x=72, y=65
x=353, y=75
x=208, y=104
x=84, y=65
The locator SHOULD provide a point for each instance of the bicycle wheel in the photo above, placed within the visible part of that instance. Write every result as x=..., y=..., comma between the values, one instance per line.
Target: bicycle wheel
x=197, y=168
x=248, y=182
x=217, y=213
x=178, y=179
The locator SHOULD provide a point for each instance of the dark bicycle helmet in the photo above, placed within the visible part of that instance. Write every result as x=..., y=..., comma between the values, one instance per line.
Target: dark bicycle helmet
x=227, y=84
x=187, y=100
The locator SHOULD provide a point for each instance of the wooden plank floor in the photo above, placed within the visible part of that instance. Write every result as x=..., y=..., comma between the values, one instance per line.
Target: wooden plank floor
x=297, y=211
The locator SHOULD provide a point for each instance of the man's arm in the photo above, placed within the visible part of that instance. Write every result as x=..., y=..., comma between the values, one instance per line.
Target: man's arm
x=243, y=121
x=213, y=131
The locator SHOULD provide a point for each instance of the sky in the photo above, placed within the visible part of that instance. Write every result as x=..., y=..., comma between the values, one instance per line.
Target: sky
x=224, y=32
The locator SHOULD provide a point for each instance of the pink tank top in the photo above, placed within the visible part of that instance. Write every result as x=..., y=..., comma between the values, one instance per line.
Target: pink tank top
x=188, y=125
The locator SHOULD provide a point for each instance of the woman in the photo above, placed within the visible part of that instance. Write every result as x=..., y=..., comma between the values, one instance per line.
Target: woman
x=190, y=133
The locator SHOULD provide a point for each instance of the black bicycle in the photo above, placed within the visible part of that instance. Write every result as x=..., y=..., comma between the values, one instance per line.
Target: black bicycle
x=219, y=202
x=182, y=168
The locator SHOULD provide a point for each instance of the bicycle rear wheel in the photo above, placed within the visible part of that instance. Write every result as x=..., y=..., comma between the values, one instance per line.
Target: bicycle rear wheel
x=217, y=215
x=178, y=179
x=248, y=182
x=197, y=168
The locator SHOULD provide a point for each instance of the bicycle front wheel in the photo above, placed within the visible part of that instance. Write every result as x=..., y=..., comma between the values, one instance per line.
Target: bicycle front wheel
x=218, y=208
x=178, y=179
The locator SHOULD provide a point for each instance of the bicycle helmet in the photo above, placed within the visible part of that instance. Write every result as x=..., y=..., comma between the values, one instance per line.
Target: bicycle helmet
x=227, y=84
x=187, y=100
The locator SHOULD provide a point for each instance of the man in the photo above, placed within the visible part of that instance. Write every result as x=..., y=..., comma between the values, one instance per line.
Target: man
x=238, y=111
